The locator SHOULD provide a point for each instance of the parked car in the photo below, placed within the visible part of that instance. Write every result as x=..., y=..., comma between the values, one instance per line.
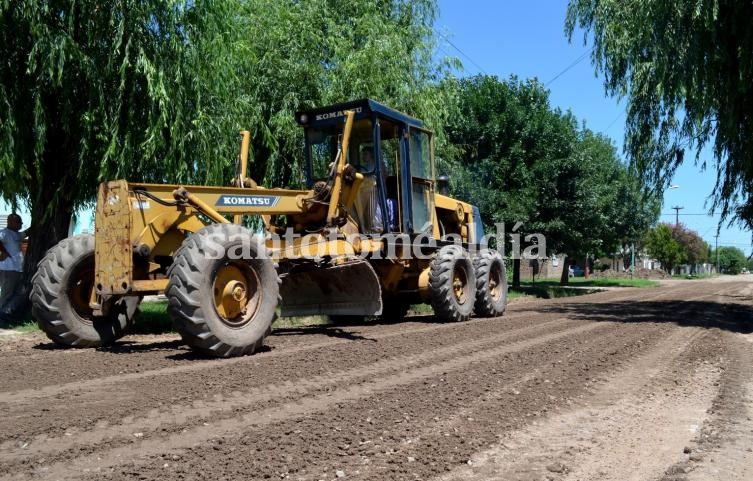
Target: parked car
x=576, y=271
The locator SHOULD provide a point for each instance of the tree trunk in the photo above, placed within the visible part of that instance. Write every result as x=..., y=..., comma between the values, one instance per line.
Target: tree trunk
x=51, y=207
x=565, y=277
x=516, y=273
x=44, y=233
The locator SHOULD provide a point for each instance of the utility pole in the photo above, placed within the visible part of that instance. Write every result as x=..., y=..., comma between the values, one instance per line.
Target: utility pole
x=716, y=248
x=677, y=209
x=632, y=260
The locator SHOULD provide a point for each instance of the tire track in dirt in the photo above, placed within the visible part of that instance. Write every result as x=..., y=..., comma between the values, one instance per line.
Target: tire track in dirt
x=648, y=411
x=355, y=394
x=31, y=426
x=25, y=395
x=722, y=448
x=298, y=407
x=666, y=350
x=622, y=419
x=57, y=415
x=224, y=456
x=178, y=415
x=342, y=436
x=195, y=365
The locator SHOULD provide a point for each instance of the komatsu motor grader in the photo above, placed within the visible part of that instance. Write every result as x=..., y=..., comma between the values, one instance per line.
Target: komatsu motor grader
x=369, y=237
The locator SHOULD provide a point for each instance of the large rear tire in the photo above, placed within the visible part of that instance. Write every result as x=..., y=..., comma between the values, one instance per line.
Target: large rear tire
x=452, y=284
x=491, y=284
x=222, y=306
x=60, y=294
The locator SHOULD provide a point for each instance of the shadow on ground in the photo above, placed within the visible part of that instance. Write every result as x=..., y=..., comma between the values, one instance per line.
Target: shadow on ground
x=731, y=317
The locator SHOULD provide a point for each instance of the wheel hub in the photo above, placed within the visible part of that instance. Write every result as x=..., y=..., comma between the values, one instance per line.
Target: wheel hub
x=460, y=285
x=494, y=282
x=80, y=292
x=236, y=296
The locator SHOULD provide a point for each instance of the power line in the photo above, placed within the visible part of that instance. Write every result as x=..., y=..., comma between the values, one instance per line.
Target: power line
x=736, y=243
x=575, y=62
x=613, y=122
x=578, y=60
x=672, y=213
x=460, y=51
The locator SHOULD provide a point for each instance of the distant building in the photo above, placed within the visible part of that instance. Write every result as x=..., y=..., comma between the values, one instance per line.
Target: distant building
x=551, y=267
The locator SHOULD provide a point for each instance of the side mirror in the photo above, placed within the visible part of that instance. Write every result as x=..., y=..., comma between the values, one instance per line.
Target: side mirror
x=443, y=184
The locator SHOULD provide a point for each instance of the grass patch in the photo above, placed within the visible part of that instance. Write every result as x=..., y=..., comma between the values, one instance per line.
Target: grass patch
x=513, y=294
x=578, y=286
x=594, y=282
x=152, y=319
x=693, y=276
x=27, y=326
x=549, y=291
x=22, y=324
x=421, y=309
x=301, y=321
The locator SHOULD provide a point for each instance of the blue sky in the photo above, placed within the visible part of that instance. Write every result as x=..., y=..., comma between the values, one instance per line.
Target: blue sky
x=526, y=38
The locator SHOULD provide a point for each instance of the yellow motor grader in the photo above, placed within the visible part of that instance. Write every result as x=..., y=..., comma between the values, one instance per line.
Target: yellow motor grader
x=368, y=237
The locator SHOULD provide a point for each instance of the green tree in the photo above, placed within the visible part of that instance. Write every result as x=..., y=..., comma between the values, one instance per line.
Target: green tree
x=731, y=259
x=157, y=90
x=135, y=89
x=595, y=205
x=695, y=248
x=308, y=54
x=661, y=244
x=523, y=161
x=499, y=133
x=685, y=68
x=637, y=209
x=502, y=130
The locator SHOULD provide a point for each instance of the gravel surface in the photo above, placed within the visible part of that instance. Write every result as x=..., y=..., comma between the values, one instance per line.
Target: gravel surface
x=626, y=384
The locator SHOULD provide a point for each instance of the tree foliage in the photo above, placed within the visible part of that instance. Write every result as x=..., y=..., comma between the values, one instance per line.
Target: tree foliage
x=685, y=67
x=675, y=244
x=662, y=245
x=89, y=92
x=731, y=259
x=157, y=90
x=523, y=161
x=308, y=54
x=696, y=250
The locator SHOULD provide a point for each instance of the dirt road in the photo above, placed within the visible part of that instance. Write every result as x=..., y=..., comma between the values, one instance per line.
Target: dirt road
x=628, y=384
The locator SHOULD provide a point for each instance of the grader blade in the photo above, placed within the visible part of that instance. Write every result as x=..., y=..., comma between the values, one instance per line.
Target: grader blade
x=351, y=288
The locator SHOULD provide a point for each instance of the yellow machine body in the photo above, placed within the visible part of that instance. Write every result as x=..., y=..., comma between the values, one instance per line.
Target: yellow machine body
x=334, y=263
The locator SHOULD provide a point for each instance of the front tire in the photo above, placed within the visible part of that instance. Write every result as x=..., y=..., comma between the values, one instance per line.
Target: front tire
x=222, y=306
x=452, y=284
x=60, y=295
x=491, y=284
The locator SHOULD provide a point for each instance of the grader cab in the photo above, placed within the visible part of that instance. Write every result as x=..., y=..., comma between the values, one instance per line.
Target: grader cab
x=369, y=236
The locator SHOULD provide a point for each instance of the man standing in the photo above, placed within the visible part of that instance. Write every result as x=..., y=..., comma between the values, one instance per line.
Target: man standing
x=11, y=266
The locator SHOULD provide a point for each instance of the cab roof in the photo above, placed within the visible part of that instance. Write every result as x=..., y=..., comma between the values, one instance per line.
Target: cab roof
x=364, y=108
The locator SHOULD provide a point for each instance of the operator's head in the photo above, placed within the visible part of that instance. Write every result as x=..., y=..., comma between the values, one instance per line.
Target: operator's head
x=14, y=222
x=367, y=160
